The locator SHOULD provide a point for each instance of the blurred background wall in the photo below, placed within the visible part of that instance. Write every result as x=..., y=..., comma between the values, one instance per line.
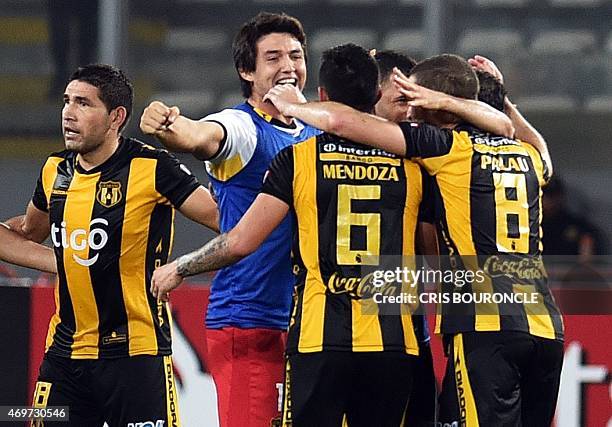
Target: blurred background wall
x=556, y=56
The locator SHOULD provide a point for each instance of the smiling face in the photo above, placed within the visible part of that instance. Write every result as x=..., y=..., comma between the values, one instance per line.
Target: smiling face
x=279, y=60
x=86, y=123
x=392, y=105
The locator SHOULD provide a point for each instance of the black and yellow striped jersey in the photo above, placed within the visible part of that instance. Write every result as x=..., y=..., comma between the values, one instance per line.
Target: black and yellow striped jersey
x=353, y=205
x=110, y=227
x=490, y=192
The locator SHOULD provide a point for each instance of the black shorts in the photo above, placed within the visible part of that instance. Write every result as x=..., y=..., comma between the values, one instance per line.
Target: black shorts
x=367, y=389
x=501, y=379
x=135, y=389
x=423, y=403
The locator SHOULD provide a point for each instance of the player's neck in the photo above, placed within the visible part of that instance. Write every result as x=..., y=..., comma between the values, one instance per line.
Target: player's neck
x=98, y=156
x=268, y=108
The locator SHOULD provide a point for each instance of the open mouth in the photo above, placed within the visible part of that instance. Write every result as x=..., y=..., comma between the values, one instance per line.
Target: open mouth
x=68, y=131
x=292, y=81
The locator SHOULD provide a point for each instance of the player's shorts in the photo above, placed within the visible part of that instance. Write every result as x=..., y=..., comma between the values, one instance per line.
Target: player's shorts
x=137, y=390
x=501, y=379
x=364, y=389
x=423, y=403
x=247, y=366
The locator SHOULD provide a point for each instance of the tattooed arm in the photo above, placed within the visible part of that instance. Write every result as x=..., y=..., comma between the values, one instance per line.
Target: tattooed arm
x=258, y=222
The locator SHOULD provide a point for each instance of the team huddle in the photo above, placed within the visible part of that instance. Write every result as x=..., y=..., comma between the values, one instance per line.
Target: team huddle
x=398, y=159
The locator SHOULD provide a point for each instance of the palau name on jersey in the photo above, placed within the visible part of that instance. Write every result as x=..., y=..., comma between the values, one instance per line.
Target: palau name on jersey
x=504, y=163
x=360, y=172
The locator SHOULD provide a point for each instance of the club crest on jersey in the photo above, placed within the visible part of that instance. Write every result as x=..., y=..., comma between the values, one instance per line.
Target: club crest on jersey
x=109, y=193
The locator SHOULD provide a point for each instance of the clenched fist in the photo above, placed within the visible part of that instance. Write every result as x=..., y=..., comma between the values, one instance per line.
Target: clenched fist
x=157, y=117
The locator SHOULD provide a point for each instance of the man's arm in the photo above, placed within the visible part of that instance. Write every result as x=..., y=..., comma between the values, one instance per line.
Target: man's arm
x=523, y=129
x=18, y=250
x=526, y=132
x=178, y=133
x=201, y=208
x=264, y=215
x=478, y=113
x=341, y=120
x=34, y=225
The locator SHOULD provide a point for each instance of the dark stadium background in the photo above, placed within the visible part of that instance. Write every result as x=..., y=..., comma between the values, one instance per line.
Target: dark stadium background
x=556, y=56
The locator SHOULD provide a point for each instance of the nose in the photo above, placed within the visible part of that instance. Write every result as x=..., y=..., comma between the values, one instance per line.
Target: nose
x=68, y=111
x=288, y=63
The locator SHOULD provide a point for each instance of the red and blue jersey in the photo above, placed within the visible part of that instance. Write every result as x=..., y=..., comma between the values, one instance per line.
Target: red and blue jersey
x=255, y=292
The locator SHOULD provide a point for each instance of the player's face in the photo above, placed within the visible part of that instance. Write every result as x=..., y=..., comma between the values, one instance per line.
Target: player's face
x=392, y=105
x=280, y=60
x=85, y=119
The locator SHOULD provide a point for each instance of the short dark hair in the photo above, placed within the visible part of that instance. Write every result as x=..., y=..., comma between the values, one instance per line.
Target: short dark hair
x=447, y=73
x=114, y=86
x=387, y=59
x=492, y=91
x=244, y=47
x=349, y=74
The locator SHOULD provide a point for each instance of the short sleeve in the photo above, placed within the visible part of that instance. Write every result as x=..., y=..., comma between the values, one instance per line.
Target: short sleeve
x=173, y=180
x=423, y=140
x=278, y=181
x=39, y=198
x=238, y=146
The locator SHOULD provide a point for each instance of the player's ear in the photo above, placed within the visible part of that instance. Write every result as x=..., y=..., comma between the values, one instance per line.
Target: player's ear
x=118, y=117
x=323, y=96
x=246, y=75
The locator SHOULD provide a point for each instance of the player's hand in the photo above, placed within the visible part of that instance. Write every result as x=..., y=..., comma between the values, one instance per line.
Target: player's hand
x=157, y=117
x=165, y=278
x=418, y=96
x=283, y=96
x=486, y=65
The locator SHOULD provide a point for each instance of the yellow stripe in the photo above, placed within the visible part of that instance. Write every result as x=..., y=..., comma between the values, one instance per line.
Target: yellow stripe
x=148, y=31
x=286, y=414
x=538, y=164
x=27, y=89
x=268, y=118
x=24, y=30
x=502, y=149
x=414, y=195
x=49, y=173
x=141, y=198
x=305, y=203
x=227, y=168
x=15, y=147
x=359, y=159
x=77, y=215
x=55, y=319
x=465, y=397
x=538, y=317
x=455, y=187
x=172, y=403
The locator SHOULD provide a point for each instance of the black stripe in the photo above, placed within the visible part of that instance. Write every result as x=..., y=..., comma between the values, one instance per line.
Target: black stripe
x=105, y=273
x=64, y=331
x=158, y=248
x=295, y=324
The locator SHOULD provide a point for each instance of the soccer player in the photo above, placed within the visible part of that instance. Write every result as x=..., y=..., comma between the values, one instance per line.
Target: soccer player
x=352, y=204
x=16, y=249
x=506, y=357
x=108, y=203
x=249, y=307
x=393, y=106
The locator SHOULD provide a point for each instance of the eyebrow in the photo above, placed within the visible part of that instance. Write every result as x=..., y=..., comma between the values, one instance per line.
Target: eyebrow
x=277, y=51
x=78, y=98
